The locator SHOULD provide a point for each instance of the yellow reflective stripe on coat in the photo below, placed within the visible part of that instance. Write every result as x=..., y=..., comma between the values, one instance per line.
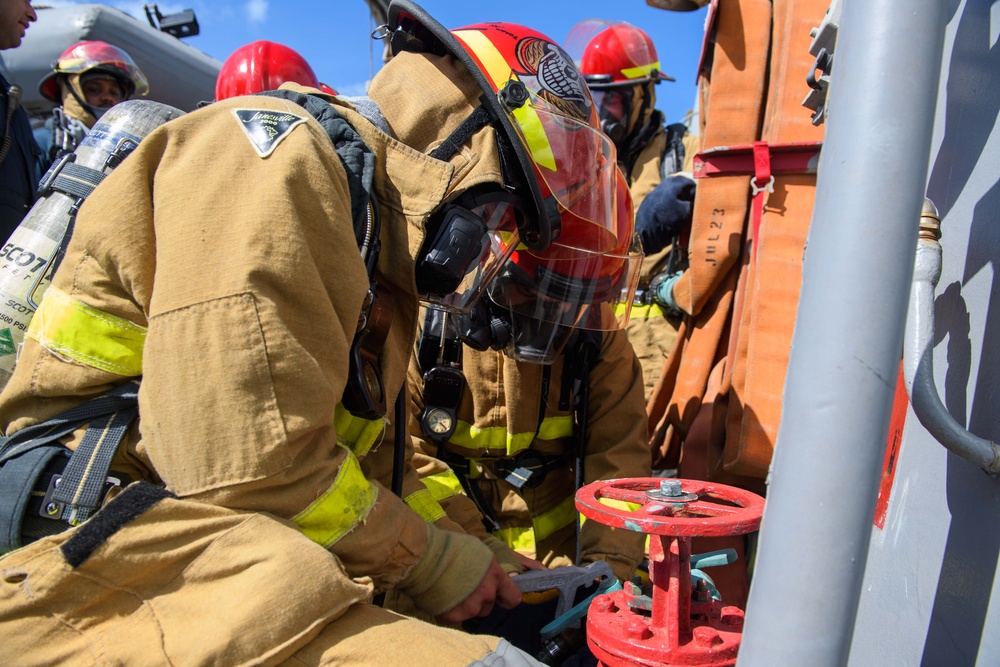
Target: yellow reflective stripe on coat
x=497, y=438
x=525, y=117
x=640, y=312
x=70, y=328
x=341, y=507
x=543, y=525
x=640, y=71
x=357, y=434
x=423, y=503
x=443, y=485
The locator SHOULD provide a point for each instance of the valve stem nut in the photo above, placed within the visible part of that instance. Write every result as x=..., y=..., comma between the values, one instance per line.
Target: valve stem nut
x=732, y=616
x=603, y=603
x=637, y=629
x=706, y=636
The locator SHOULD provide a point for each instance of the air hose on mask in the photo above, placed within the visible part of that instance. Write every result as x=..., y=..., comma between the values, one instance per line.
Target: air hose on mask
x=33, y=252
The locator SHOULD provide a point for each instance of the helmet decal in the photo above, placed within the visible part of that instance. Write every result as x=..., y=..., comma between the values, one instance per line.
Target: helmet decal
x=552, y=73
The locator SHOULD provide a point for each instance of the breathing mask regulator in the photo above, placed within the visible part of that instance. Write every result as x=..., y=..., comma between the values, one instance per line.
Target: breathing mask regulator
x=467, y=241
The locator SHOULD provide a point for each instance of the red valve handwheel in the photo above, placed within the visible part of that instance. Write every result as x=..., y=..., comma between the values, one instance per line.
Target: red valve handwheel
x=702, y=509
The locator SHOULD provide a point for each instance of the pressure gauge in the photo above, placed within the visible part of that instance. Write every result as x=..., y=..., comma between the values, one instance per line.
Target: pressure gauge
x=443, y=388
x=439, y=422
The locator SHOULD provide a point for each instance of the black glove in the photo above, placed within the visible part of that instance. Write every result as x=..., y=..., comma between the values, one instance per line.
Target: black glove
x=665, y=213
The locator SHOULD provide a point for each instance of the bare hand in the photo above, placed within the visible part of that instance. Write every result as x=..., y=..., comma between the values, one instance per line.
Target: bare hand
x=496, y=587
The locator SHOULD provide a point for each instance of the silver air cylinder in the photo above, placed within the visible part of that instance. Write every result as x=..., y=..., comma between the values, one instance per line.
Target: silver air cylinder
x=33, y=251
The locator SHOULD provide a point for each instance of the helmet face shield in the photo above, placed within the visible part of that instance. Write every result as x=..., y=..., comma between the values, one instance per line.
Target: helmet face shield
x=576, y=282
x=587, y=190
x=547, y=104
x=570, y=287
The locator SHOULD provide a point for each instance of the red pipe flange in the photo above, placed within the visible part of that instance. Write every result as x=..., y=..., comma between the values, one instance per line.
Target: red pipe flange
x=670, y=628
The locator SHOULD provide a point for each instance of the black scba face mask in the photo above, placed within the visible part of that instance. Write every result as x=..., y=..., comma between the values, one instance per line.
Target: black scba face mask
x=536, y=340
x=533, y=341
x=615, y=124
x=467, y=242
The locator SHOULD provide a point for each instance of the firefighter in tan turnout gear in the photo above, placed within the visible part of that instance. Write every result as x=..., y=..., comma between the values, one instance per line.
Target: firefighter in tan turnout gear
x=622, y=69
x=244, y=264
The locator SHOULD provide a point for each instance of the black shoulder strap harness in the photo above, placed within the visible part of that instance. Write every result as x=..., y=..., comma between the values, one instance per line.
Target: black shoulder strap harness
x=674, y=154
x=44, y=487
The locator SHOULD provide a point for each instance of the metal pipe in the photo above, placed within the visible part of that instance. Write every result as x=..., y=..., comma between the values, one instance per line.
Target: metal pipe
x=918, y=354
x=845, y=352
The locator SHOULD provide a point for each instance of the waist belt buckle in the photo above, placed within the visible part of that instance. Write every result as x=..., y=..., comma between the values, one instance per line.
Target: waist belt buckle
x=52, y=509
x=527, y=469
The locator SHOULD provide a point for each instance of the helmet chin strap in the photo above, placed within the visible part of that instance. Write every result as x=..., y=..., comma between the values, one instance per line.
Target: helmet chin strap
x=83, y=104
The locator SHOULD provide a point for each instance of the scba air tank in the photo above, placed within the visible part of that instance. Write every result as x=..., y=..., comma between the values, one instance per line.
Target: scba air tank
x=33, y=252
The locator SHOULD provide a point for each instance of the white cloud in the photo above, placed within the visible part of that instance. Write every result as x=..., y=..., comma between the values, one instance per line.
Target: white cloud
x=256, y=10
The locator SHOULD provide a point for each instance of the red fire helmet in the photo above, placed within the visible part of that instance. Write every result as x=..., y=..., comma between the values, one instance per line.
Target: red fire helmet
x=539, y=103
x=260, y=66
x=95, y=56
x=614, y=54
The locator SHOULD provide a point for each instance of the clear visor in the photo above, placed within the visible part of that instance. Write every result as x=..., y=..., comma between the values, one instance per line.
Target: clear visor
x=499, y=241
x=575, y=162
x=580, y=36
x=570, y=287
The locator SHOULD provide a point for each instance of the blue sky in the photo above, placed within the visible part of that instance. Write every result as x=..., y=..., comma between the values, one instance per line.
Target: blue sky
x=333, y=35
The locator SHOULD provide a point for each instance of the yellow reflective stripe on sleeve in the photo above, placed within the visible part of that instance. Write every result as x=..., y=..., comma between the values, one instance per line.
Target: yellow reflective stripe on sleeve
x=497, y=438
x=425, y=505
x=640, y=71
x=341, y=507
x=357, y=434
x=543, y=525
x=443, y=485
x=527, y=120
x=70, y=328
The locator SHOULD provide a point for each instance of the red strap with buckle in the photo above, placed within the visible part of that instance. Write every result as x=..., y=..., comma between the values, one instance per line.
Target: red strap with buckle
x=762, y=181
x=762, y=161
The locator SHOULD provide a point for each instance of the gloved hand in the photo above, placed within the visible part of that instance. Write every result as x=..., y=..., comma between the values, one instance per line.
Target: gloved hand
x=662, y=287
x=495, y=588
x=664, y=213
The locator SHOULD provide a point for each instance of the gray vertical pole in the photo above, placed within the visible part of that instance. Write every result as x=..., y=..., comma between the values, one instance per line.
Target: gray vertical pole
x=848, y=337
